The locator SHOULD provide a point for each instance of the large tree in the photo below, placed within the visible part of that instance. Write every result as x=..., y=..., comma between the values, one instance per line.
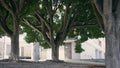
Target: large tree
x=11, y=12
x=107, y=12
x=57, y=19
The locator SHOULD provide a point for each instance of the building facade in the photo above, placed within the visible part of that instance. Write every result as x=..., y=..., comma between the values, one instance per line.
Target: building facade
x=94, y=49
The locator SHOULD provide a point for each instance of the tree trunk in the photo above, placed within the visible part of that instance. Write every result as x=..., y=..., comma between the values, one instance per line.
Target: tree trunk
x=14, y=56
x=113, y=42
x=110, y=11
x=15, y=41
x=55, y=52
x=112, y=32
x=113, y=46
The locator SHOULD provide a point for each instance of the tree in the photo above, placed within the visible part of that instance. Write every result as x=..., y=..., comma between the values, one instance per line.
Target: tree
x=107, y=12
x=57, y=19
x=11, y=12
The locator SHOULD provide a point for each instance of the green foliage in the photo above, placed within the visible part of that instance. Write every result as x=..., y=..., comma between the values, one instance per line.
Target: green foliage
x=80, y=18
x=2, y=33
x=21, y=9
x=78, y=48
x=31, y=35
x=29, y=7
x=2, y=14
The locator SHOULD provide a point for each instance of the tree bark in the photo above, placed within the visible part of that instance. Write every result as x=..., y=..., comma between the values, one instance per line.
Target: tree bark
x=55, y=52
x=15, y=41
x=112, y=32
x=113, y=45
x=111, y=18
x=14, y=56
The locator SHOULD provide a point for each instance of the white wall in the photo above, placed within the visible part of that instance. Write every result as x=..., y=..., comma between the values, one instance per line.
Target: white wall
x=1, y=50
x=74, y=54
x=90, y=48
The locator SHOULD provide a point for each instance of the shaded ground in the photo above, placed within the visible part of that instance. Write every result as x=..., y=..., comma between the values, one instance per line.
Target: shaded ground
x=45, y=64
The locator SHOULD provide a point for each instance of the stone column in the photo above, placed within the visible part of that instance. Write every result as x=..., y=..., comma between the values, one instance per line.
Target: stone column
x=21, y=51
x=36, y=51
x=7, y=51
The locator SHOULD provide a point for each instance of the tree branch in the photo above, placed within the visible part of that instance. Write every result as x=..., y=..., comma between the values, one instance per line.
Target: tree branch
x=46, y=38
x=61, y=36
x=114, y=5
x=98, y=16
x=38, y=30
x=56, y=6
x=108, y=15
x=65, y=21
x=50, y=12
x=6, y=16
x=5, y=27
x=42, y=20
x=99, y=5
x=46, y=25
x=64, y=28
x=21, y=2
x=6, y=6
x=31, y=26
x=85, y=25
x=38, y=19
x=14, y=6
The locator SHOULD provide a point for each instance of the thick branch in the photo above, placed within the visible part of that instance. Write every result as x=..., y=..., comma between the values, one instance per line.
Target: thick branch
x=46, y=25
x=65, y=21
x=99, y=5
x=13, y=5
x=98, y=16
x=85, y=25
x=46, y=38
x=56, y=6
x=32, y=26
x=108, y=15
x=50, y=12
x=64, y=27
x=114, y=5
x=38, y=30
x=42, y=20
x=61, y=36
x=39, y=20
x=66, y=15
x=21, y=2
x=6, y=16
x=6, y=6
x=5, y=27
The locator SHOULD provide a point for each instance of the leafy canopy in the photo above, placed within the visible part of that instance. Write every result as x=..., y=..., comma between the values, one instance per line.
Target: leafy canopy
x=57, y=19
x=8, y=8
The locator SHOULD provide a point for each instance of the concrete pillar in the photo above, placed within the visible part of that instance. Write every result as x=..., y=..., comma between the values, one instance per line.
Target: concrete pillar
x=35, y=56
x=7, y=51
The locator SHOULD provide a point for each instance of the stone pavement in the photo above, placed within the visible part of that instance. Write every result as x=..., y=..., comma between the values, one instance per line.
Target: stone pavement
x=89, y=62
x=47, y=64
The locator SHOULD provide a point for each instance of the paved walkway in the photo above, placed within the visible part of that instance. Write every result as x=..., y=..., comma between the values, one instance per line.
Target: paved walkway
x=49, y=64
x=89, y=62
x=82, y=61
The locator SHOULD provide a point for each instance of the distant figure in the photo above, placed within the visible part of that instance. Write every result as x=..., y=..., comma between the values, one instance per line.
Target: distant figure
x=36, y=51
